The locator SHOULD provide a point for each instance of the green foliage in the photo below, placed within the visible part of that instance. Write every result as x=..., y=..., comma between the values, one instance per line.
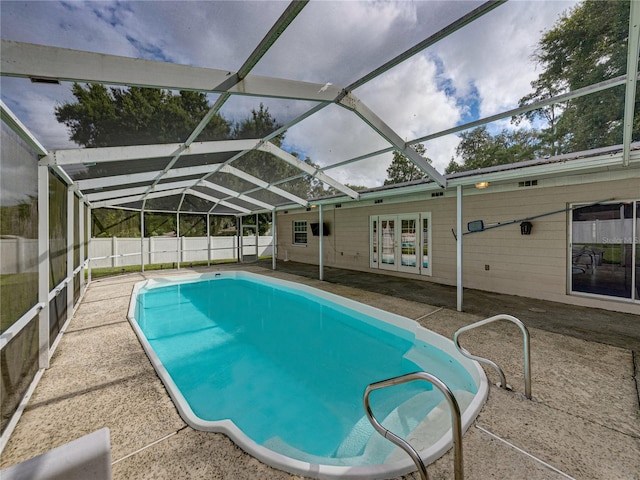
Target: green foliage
x=586, y=45
x=402, y=169
x=104, y=117
x=479, y=149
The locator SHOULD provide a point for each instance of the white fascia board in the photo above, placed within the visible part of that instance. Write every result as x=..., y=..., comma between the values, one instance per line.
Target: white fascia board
x=30, y=60
x=234, y=194
x=571, y=167
x=218, y=200
x=135, y=152
x=351, y=102
x=102, y=182
x=137, y=190
x=305, y=167
x=18, y=127
x=135, y=198
x=261, y=183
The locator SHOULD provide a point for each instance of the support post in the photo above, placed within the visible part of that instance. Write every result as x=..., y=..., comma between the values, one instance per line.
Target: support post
x=320, y=244
x=459, y=247
x=82, y=240
x=90, y=234
x=178, y=253
x=239, y=235
x=274, y=239
x=257, y=235
x=43, y=266
x=142, y=240
x=208, y=240
x=70, y=239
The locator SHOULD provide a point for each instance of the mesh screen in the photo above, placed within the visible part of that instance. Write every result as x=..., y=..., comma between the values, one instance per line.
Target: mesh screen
x=57, y=230
x=57, y=314
x=18, y=366
x=18, y=228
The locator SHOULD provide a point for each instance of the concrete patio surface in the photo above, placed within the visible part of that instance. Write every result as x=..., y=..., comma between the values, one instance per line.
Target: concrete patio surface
x=583, y=423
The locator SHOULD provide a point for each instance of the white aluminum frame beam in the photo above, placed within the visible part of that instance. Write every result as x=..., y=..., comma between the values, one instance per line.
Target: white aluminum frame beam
x=135, y=198
x=234, y=194
x=101, y=182
x=351, y=102
x=27, y=60
x=18, y=127
x=633, y=51
x=219, y=201
x=80, y=156
x=308, y=169
x=596, y=87
x=426, y=43
x=112, y=194
x=261, y=183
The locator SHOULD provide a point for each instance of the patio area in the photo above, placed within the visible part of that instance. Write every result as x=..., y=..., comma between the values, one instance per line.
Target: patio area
x=583, y=423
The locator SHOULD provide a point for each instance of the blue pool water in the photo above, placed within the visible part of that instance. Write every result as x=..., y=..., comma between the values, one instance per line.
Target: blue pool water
x=288, y=367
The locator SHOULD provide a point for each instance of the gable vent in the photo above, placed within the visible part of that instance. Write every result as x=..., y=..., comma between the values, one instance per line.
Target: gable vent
x=528, y=183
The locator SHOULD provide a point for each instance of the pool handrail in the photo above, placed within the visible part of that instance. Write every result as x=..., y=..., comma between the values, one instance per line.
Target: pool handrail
x=526, y=348
x=455, y=418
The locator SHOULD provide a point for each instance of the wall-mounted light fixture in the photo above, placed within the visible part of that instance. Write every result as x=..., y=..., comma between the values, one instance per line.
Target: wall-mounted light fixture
x=525, y=228
x=482, y=185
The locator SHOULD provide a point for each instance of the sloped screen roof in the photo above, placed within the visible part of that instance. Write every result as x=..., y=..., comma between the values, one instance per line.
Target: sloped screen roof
x=345, y=83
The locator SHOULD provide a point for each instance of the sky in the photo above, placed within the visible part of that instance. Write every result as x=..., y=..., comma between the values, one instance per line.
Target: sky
x=480, y=70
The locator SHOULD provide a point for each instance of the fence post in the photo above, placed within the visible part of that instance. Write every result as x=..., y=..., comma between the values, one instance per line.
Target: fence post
x=114, y=251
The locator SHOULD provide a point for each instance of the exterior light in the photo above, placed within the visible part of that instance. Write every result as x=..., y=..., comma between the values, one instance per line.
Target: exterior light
x=482, y=185
x=525, y=228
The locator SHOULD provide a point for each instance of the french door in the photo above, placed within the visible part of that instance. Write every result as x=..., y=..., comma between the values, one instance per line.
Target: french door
x=400, y=243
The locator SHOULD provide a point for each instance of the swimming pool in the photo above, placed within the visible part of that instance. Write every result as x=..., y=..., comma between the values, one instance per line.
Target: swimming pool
x=281, y=368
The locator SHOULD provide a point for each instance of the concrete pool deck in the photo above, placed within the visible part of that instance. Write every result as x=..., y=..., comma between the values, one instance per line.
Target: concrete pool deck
x=584, y=422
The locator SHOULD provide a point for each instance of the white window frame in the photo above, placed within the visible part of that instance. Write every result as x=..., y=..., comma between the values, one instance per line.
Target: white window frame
x=297, y=229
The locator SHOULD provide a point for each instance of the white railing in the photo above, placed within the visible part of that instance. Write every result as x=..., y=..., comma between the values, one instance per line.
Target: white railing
x=120, y=252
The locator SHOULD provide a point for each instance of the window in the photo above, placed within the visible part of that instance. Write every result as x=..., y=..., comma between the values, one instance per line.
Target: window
x=300, y=232
x=604, y=250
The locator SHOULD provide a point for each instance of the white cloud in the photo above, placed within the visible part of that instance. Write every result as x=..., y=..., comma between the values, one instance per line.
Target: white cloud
x=335, y=42
x=498, y=61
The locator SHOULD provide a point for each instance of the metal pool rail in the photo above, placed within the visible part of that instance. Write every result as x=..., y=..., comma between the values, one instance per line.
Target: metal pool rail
x=526, y=348
x=455, y=418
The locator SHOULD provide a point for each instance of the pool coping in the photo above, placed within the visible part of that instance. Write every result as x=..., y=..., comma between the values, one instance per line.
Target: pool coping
x=278, y=460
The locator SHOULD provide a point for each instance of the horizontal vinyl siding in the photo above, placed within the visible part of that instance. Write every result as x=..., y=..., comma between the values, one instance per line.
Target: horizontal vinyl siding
x=533, y=265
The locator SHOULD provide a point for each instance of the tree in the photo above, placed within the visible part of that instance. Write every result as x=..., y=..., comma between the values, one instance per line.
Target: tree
x=586, y=45
x=479, y=149
x=266, y=166
x=404, y=170
x=106, y=117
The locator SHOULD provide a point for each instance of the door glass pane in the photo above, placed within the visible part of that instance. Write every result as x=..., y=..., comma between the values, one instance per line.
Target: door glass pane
x=637, y=243
x=601, y=253
x=425, y=243
x=409, y=246
x=374, y=243
x=388, y=242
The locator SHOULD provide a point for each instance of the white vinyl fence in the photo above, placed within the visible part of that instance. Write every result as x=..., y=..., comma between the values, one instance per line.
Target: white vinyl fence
x=120, y=252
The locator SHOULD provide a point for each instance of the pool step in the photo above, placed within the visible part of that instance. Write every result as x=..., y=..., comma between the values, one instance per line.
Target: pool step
x=431, y=429
x=421, y=433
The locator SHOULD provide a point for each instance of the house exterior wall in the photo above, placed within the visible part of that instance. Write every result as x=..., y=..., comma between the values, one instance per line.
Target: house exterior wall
x=534, y=265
